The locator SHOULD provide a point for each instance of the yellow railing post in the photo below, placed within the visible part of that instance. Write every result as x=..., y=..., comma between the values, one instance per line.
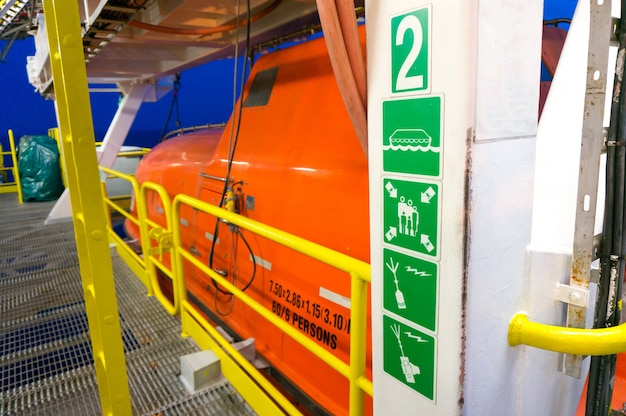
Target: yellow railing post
x=132, y=259
x=358, y=348
x=54, y=133
x=16, y=172
x=179, y=270
x=77, y=137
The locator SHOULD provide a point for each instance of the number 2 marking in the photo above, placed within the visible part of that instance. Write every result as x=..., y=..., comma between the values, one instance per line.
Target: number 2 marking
x=404, y=81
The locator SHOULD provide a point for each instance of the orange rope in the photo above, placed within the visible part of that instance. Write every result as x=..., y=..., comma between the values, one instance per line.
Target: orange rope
x=338, y=44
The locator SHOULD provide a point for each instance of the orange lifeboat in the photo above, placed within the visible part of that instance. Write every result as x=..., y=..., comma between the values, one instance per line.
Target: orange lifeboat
x=298, y=166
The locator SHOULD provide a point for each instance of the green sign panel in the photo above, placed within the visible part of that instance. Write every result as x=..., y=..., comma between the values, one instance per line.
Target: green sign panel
x=412, y=136
x=410, y=51
x=411, y=215
x=410, y=288
x=409, y=356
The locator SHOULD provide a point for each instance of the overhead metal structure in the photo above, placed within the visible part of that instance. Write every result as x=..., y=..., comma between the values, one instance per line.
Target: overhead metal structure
x=17, y=20
x=138, y=46
x=134, y=41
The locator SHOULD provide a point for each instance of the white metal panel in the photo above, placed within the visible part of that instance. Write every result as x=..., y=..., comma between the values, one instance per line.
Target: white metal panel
x=507, y=79
x=500, y=222
x=557, y=158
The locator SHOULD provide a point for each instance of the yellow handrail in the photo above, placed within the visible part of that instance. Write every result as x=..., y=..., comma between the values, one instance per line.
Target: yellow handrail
x=132, y=153
x=149, y=229
x=358, y=270
x=601, y=341
x=150, y=260
x=141, y=262
x=2, y=168
x=16, y=173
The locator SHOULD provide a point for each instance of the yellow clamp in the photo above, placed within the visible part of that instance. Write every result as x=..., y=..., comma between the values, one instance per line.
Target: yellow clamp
x=164, y=240
x=230, y=200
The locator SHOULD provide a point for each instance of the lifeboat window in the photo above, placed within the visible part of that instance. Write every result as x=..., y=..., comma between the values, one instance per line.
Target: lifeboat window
x=261, y=88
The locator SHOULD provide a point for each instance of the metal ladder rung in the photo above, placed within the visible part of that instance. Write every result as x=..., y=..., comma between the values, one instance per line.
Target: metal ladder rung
x=110, y=21
x=96, y=30
x=122, y=9
x=96, y=38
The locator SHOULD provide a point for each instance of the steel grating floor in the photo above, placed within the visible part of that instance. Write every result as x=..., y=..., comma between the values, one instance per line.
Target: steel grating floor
x=46, y=363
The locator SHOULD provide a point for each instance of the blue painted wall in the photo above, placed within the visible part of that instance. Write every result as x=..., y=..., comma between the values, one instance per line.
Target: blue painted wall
x=205, y=96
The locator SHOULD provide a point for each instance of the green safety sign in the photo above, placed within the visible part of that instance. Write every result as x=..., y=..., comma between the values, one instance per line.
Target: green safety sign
x=410, y=51
x=411, y=215
x=410, y=288
x=412, y=136
x=409, y=356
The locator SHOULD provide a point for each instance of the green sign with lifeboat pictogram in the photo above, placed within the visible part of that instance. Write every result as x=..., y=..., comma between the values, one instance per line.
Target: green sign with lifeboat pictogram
x=412, y=132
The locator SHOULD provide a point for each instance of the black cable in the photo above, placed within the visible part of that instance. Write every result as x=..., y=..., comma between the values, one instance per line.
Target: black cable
x=172, y=105
x=251, y=257
x=231, y=151
x=613, y=243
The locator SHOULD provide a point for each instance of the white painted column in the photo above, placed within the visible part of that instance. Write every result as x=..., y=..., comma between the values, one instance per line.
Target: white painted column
x=421, y=94
x=454, y=142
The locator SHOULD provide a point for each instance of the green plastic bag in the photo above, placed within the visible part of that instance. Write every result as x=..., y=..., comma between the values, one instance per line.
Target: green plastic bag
x=38, y=166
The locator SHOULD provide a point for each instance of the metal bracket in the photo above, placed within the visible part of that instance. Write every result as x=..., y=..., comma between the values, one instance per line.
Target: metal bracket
x=164, y=239
x=615, y=25
x=572, y=295
x=591, y=148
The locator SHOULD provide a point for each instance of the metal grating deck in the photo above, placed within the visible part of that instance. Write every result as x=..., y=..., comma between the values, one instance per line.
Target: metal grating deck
x=46, y=363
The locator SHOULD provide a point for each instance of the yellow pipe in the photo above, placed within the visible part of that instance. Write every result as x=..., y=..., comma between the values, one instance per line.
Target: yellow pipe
x=16, y=173
x=602, y=341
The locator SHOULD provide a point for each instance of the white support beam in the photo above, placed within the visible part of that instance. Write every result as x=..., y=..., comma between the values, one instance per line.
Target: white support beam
x=113, y=141
x=120, y=126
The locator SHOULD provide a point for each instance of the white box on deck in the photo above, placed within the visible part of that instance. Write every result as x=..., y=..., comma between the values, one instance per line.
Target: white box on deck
x=197, y=370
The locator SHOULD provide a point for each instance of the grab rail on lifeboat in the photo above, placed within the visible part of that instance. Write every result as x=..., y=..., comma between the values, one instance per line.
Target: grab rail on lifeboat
x=600, y=341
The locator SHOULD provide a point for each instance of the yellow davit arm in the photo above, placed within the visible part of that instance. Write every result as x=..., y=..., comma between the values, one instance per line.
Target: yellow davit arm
x=602, y=341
